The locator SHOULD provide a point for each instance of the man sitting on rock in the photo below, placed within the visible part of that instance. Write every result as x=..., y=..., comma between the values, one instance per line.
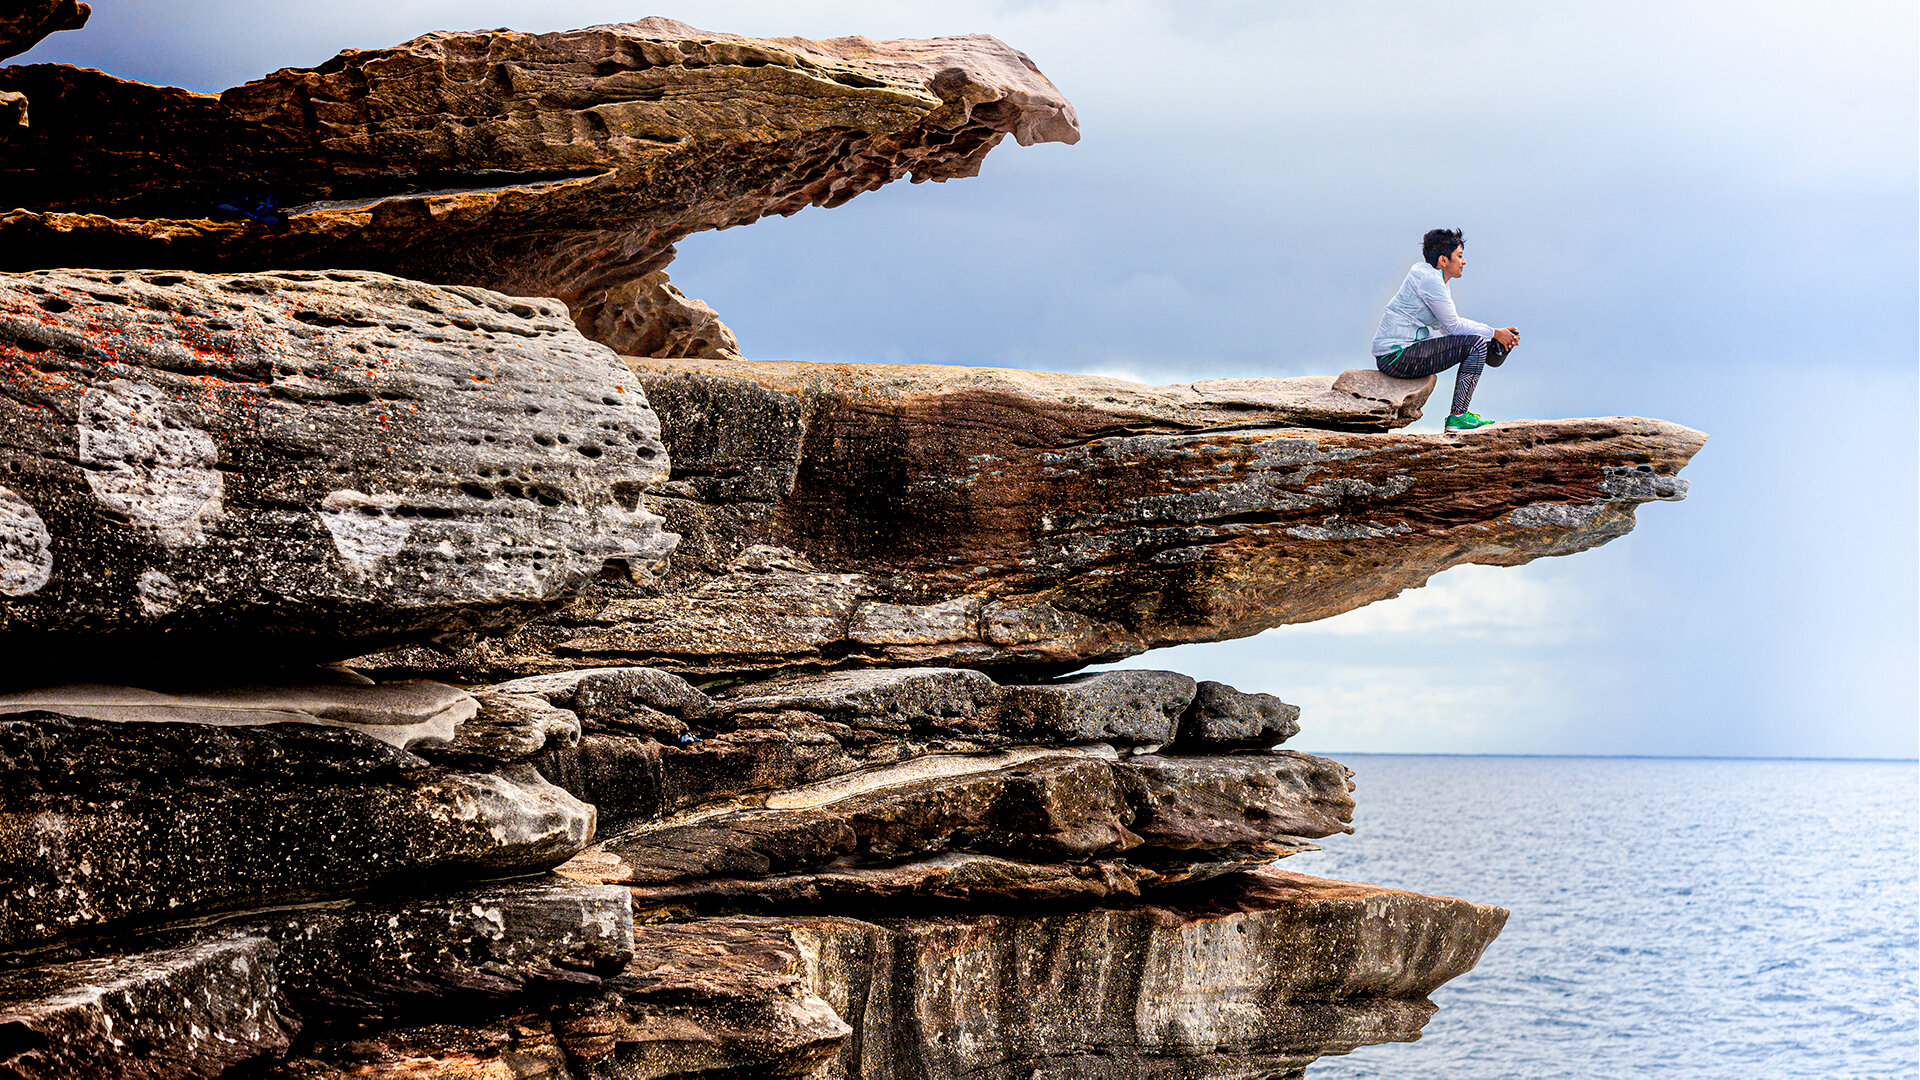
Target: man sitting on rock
x=1405, y=346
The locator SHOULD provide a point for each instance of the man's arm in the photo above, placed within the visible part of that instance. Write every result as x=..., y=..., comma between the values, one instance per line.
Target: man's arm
x=1440, y=302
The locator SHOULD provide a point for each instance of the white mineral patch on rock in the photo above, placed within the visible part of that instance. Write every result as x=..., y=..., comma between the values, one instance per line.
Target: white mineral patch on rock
x=159, y=594
x=364, y=527
x=26, y=549
x=144, y=460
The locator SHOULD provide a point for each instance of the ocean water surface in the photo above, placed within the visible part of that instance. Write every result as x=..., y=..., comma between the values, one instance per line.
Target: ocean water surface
x=1671, y=917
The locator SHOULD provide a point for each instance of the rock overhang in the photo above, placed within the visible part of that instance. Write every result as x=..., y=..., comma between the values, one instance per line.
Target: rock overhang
x=854, y=515
x=563, y=164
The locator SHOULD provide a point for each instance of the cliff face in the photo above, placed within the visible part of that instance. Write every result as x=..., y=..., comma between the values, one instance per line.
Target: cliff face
x=752, y=745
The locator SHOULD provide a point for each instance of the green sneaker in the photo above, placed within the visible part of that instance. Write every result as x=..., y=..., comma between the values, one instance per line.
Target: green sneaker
x=1466, y=421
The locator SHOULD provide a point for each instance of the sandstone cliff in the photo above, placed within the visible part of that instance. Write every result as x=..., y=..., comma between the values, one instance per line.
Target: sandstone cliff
x=753, y=744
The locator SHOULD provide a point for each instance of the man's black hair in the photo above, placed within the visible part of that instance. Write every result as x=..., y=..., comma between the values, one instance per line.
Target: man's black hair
x=1439, y=243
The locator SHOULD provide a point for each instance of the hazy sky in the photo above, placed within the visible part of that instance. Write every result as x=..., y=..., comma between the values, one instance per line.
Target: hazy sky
x=1700, y=211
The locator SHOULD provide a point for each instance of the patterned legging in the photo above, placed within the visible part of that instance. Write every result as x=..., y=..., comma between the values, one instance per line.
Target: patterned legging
x=1434, y=355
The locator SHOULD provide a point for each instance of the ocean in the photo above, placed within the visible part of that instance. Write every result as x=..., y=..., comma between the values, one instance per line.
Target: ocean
x=1671, y=917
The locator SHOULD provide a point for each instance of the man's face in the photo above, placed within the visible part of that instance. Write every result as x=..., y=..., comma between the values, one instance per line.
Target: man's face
x=1452, y=266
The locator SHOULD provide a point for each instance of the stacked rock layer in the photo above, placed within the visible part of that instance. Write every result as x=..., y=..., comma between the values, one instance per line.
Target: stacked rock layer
x=402, y=681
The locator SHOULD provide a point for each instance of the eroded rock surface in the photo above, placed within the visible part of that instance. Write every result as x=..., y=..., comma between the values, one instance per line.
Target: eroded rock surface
x=273, y=466
x=839, y=516
x=562, y=165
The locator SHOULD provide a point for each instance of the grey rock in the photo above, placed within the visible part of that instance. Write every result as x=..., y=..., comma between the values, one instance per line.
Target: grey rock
x=635, y=699
x=895, y=699
x=1223, y=716
x=283, y=466
x=103, y=822
x=1127, y=706
x=475, y=945
x=400, y=714
x=507, y=727
x=187, y=1011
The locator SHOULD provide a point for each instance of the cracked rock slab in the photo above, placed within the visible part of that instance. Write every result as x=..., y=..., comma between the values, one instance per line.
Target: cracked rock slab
x=103, y=823
x=185, y=1012
x=286, y=466
x=1035, y=805
x=637, y=762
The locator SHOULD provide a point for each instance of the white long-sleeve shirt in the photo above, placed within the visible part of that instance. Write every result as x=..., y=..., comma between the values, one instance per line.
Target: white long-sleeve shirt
x=1422, y=308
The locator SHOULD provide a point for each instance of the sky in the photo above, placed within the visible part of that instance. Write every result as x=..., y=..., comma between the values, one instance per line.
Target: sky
x=1696, y=210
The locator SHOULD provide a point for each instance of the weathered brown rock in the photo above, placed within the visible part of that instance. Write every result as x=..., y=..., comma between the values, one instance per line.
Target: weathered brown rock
x=23, y=23
x=866, y=515
x=106, y=824
x=279, y=466
x=716, y=998
x=650, y=317
x=562, y=165
x=518, y=1047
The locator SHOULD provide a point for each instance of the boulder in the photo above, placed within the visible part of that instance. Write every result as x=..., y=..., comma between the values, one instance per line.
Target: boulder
x=562, y=165
x=1112, y=706
x=849, y=516
x=253, y=470
x=1221, y=716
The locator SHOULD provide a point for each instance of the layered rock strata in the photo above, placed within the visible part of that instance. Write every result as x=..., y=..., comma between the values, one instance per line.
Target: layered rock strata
x=547, y=165
x=813, y=794
x=838, y=515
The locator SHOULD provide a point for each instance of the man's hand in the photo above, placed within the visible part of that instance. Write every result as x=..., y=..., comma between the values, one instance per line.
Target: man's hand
x=1508, y=337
